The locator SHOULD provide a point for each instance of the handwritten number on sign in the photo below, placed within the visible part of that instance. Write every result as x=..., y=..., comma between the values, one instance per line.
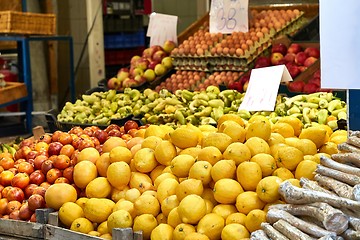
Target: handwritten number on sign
x=229, y=22
x=221, y=22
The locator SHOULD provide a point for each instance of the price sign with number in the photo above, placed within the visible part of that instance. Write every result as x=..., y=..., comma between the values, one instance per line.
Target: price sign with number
x=263, y=88
x=227, y=16
x=162, y=27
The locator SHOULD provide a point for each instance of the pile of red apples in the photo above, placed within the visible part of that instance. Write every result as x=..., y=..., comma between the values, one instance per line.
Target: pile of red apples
x=154, y=62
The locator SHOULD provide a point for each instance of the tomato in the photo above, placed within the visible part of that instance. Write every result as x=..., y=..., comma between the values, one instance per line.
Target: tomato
x=20, y=180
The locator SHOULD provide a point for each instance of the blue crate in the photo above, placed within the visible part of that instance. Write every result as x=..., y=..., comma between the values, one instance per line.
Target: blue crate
x=124, y=40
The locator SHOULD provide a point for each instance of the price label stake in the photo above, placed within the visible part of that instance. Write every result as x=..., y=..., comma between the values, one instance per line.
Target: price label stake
x=227, y=16
x=263, y=88
x=162, y=27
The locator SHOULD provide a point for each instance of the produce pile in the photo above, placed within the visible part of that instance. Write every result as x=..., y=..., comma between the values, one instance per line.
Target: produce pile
x=326, y=208
x=169, y=183
x=197, y=108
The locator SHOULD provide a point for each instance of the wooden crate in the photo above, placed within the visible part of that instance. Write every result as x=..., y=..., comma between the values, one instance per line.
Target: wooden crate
x=12, y=91
x=13, y=22
x=21, y=229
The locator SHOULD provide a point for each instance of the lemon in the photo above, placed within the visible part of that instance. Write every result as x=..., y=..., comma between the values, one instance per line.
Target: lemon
x=181, y=164
x=312, y=158
x=127, y=206
x=307, y=146
x=165, y=151
x=169, y=204
x=223, y=169
x=226, y=190
x=117, y=194
x=306, y=168
x=295, y=182
x=147, y=204
x=162, y=232
x=257, y=145
x=211, y=225
x=283, y=173
x=266, y=162
x=254, y=219
x=70, y=211
x=196, y=236
x=106, y=236
x=338, y=139
x=267, y=189
x=208, y=194
x=234, y=130
x=248, y=201
x=132, y=194
x=102, y=228
x=275, y=138
x=292, y=141
x=258, y=128
x=191, y=209
x=119, y=219
x=207, y=128
x=182, y=230
x=210, y=154
x=248, y=175
x=285, y=129
x=94, y=233
x=120, y=154
x=173, y=218
x=209, y=206
x=166, y=188
x=232, y=117
x=81, y=201
x=140, y=181
x=289, y=157
x=192, y=151
x=151, y=142
x=296, y=123
x=201, y=170
x=316, y=134
x=98, y=209
x=98, y=188
x=338, y=133
x=161, y=218
x=187, y=187
x=236, y=218
x=145, y=223
x=224, y=210
x=157, y=171
x=234, y=231
x=82, y=225
x=155, y=130
x=184, y=137
x=219, y=140
x=144, y=160
x=318, y=155
x=150, y=192
x=162, y=177
x=238, y=152
x=329, y=148
x=275, y=148
x=118, y=174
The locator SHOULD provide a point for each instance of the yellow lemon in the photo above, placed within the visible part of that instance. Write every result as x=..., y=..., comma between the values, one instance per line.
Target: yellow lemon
x=312, y=158
x=119, y=219
x=162, y=177
x=187, y=187
x=94, y=233
x=120, y=154
x=296, y=123
x=155, y=130
x=207, y=128
x=224, y=210
x=338, y=133
x=98, y=209
x=208, y=194
x=102, y=228
x=268, y=189
x=150, y=192
x=106, y=236
x=112, y=142
x=169, y=204
x=306, y=169
x=219, y=140
x=162, y=232
x=140, y=181
x=316, y=134
x=248, y=201
x=289, y=157
x=248, y=175
x=329, y=148
x=117, y=194
x=236, y=218
x=144, y=160
x=283, y=173
x=165, y=152
x=254, y=219
x=338, y=139
x=238, y=152
x=223, y=169
x=275, y=138
x=232, y=117
x=211, y=225
x=257, y=145
x=145, y=223
x=81, y=201
x=151, y=142
x=118, y=174
x=275, y=148
x=201, y=170
x=285, y=129
x=266, y=162
x=318, y=155
x=181, y=164
x=127, y=206
x=196, y=236
x=209, y=206
x=234, y=130
x=132, y=194
x=147, y=204
x=184, y=137
x=192, y=151
x=161, y=218
x=307, y=146
x=235, y=231
x=226, y=190
x=182, y=230
x=173, y=218
x=166, y=188
x=295, y=182
x=210, y=154
x=191, y=209
x=70, y=211
x=98, y=188
x=157, y=171
x=258, y=128
x=82, y=225
x=292, y=141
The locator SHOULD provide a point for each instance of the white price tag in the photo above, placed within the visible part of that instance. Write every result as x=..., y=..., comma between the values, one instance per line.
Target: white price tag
x=263, y=88
x=162, y=27
x=227, y=16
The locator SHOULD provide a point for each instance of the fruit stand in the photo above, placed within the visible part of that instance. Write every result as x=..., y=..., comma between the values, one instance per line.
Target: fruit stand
x=167, y=154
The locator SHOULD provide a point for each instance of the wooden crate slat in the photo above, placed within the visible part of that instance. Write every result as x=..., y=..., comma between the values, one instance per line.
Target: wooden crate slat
x=59, y=233
x=22, y=229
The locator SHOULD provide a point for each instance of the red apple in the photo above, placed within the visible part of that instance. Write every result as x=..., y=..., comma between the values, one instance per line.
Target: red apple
x=275, y=58
x=142, y=63
x=147, y=53
x=310, y=61
x=290, y=57
x=262, y=62
x=152, y=64
x=169, y=46
x=139, y=79
x=29, y=190
x=111, y=83
x=294, y=48
x=25, y=212
x=134, y=59
x=130, y=124
x=302, y=68
x=315, y=81
x=37, y=177
x=300, y=58
x=312, y=52
x=36, y=201
x=296, y=86
x=279, y=48
x=101, y=135
x=317, y=74
x=159, y=55
x=121, y=75
x=294, y=71
x=128, y=83
x=135, y=71
x=310, y=88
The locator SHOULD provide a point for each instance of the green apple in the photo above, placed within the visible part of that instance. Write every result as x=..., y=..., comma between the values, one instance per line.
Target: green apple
x=149, y=75
x=167, y=62
x=159, y=69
